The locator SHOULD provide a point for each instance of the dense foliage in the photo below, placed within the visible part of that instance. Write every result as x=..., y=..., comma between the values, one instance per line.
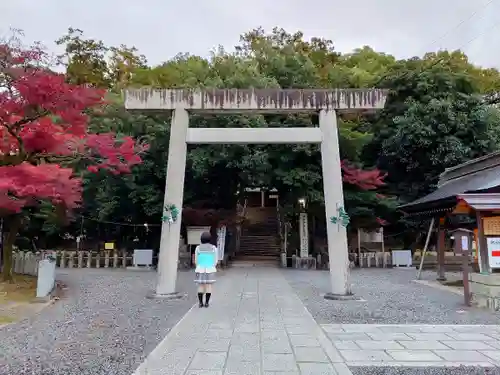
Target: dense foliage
x=435, y=117
x=44, y=136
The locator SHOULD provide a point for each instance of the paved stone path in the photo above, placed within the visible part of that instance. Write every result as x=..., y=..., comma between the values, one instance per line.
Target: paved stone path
x=257, y=325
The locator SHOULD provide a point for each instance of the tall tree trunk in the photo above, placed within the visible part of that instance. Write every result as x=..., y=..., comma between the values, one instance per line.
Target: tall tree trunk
x=10, y=238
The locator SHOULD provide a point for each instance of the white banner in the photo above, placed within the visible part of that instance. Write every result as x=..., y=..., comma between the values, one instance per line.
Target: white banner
x=221, y=241
x=304, y=235
x=494, y=251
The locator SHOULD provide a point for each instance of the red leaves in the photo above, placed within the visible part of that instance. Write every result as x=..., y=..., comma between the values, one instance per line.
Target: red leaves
x=43, y=119
x=364, y=179
x=24, y=184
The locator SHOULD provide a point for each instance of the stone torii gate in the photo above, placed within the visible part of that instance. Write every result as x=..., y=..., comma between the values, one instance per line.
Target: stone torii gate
x=182, y=102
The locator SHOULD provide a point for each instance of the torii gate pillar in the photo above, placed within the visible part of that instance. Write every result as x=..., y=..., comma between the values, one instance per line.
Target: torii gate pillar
x=225, y=101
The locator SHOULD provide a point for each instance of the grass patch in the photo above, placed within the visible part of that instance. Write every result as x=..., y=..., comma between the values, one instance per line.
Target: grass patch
x=6, y=319
x=22, y=289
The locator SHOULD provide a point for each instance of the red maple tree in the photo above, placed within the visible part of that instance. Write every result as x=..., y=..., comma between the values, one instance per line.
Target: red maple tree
x=364, y=179
x=43, y=126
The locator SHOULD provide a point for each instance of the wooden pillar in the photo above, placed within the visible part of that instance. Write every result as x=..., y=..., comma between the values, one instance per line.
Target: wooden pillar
x=482, y=246
x=441, y=250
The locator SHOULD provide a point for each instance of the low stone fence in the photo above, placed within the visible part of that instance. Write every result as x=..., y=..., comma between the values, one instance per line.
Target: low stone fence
x=363, y=260
x=371, y=260
x=452, y=262
x=27, y=262
x=40, y=264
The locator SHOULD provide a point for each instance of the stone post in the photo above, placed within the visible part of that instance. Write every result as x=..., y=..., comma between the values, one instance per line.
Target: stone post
x=334, y=198
x=168, y=257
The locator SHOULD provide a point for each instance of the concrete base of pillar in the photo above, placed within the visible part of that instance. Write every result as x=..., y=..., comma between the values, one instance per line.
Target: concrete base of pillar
x=441, y=278
x=167, y=296
x=341, y=297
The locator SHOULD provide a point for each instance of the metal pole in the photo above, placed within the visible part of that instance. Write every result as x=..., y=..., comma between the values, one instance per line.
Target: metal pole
x=431, y=226
x=465, y=273
x=359, y=248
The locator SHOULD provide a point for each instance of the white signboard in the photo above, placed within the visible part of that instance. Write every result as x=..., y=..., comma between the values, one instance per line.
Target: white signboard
x=194, y=234
x=494, y=251
x=221, y=241
x=304, y=235
x=465, y=243
x=143, y=257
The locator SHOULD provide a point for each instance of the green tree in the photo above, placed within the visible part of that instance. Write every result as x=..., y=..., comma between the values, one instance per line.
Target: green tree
x=85, y=59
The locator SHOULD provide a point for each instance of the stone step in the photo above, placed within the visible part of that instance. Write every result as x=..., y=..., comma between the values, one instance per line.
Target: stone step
x=255, y=263
x=260, y=249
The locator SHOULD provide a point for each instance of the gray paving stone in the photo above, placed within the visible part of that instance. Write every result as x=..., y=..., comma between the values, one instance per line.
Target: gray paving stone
x=278, y=362
x=298, y=322
x=365, y=355
x=493, y=354
x=273, y=335
x=461, y=355
x=219, y=333
x=476, y=328
x=246, y=339
x=222, y=325
x=242, y=368
x=298, y=330
x=493, y=335
x=342, y=369
x=494, y=344
x=423, y=345
x=243, y=353
x=436, y=328
x=276, y=346
x=208, y=361
x=215, y=345
x=317, y=369
x=204, y=372
x=348, y=336
x=281, y=373
x=310, y=355
x=353, y=328
x=413, y=355
x=247, y=328
x=470, y=337
x=378, y=345
x=272, y=326
x=394, y=336
x=304, y=340
x=429, y=336
x=468, y=345
x=346, y=345
x=332, y=328
x=398, y=328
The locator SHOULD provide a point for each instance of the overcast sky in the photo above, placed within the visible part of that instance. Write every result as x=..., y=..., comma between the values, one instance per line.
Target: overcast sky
x=162, y=28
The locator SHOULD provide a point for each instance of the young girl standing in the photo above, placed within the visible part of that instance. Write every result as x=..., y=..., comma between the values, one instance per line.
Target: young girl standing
x=205, y=258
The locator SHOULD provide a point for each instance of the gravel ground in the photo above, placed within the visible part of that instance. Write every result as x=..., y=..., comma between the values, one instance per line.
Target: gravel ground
x=424, y=371
x=390, y=298
x=103, y=325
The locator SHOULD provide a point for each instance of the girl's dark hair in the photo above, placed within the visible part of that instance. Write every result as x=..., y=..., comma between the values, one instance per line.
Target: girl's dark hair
x=206, y=237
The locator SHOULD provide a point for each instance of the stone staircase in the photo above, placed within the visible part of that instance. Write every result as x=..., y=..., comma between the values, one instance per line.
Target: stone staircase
x=259, y=243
